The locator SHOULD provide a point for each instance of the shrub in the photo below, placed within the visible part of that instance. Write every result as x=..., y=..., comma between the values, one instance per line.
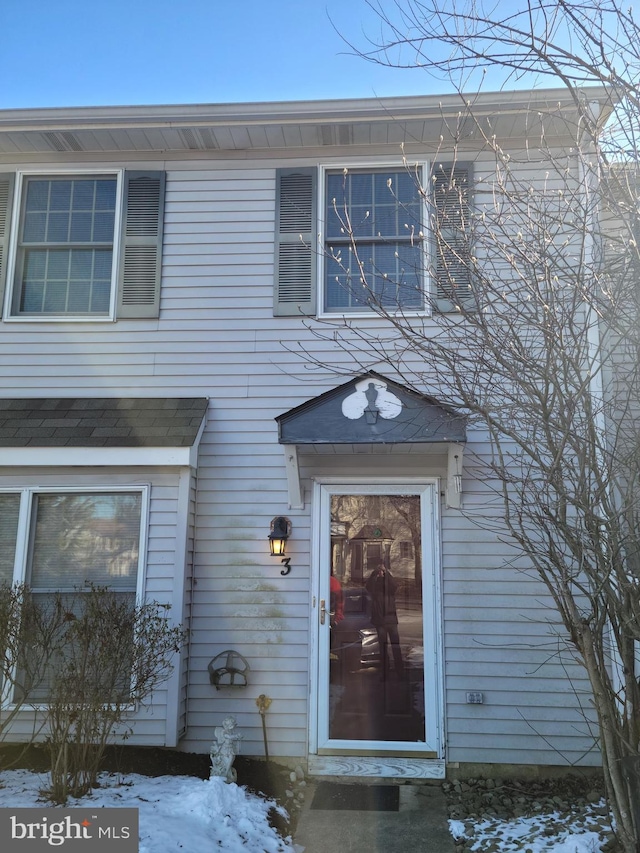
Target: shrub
x=115, y=654
x=24, y=628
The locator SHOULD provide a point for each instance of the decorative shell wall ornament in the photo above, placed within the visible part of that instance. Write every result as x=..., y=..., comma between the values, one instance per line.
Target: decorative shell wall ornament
x=371, y=399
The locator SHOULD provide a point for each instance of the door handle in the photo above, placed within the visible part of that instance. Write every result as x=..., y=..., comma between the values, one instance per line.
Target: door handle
x=324, y=611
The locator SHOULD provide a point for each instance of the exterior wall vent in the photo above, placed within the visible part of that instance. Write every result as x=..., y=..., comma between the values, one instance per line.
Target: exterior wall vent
x=326, y=132
x=71, y=141
x=55, y=142
x=190, y=139
x=208, y=139
x=63, y=141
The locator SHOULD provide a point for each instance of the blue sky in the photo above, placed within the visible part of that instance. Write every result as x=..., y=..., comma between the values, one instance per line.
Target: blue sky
x=105, y=52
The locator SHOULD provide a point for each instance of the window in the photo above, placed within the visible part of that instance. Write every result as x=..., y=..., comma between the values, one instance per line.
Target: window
x=9, y=515
x=373, y=224
x=65, y=246
x=67, y=541
x=387, y=215
x=406, y=550
x=82, y=246
x=78, y=539
x=63, y=540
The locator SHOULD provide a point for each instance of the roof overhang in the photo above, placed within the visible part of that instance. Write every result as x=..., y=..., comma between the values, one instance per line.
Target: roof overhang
x=518, y=115
x=97, y=431
x=372, y=411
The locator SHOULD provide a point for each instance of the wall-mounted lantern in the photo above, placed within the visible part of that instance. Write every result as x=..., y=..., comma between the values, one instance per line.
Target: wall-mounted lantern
x=280, y=532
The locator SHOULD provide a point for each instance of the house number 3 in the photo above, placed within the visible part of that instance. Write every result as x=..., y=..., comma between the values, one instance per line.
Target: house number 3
x=286, y=561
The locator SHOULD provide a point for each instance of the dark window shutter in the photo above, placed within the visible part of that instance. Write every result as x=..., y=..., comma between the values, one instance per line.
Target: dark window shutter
x=451, y=188
x=7, y=182
x=296, y=243
x=141, y=250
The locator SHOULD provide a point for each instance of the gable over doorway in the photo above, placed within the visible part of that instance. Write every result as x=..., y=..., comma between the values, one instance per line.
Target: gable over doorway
x=373, y=414
x=376, y=454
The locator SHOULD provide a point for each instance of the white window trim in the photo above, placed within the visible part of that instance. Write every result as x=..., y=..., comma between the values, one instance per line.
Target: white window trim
x=369, y=165
x=8, y=316
x=20, y=566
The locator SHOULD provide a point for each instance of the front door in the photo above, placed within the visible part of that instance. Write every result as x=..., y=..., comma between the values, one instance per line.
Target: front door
x=379, y=673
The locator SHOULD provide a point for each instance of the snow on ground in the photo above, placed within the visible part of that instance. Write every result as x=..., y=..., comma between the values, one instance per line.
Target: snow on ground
x=181, y=813
x=585, y=831
x=189, y=815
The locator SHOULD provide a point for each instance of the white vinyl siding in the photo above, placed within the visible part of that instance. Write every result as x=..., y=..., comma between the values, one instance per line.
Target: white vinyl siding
x=503, y=639
x=217, y=336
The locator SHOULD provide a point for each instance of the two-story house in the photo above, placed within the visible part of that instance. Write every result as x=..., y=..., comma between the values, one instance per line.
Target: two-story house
x=170, y=279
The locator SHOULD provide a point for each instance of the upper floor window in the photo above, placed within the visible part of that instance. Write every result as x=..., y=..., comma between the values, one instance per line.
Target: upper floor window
x=368, y=245
x=81, y=246
x=373, y=241
x=64, y=259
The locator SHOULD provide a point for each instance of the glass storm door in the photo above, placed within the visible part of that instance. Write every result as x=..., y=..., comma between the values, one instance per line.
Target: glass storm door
x=378, y=644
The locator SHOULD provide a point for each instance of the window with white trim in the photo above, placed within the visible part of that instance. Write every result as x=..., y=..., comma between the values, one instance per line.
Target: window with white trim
x=64, y=257
x=377, y=224
x=81, y=246
x=70, y=541
x=373, y=240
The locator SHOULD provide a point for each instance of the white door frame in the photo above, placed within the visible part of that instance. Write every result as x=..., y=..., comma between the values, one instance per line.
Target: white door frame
x=429, y=489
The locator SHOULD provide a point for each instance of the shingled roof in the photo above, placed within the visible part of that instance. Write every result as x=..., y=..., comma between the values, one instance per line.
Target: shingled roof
x=101, y=421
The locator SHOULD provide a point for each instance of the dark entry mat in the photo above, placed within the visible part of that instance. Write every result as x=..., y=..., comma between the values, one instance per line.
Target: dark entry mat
x=333, y=796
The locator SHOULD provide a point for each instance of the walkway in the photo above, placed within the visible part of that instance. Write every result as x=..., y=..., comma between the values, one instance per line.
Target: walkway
x=406, y=818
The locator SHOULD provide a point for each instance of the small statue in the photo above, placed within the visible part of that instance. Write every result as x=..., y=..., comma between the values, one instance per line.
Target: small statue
x=224, y=750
